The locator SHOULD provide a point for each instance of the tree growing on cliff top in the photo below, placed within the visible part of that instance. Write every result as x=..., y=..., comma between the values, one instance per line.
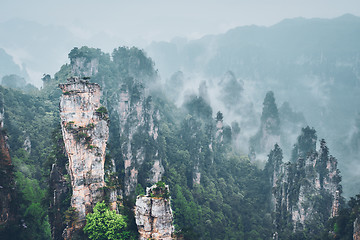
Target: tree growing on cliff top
x=105, y=224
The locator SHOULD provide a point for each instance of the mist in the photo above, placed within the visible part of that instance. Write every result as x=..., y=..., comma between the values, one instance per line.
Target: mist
x=300, y=50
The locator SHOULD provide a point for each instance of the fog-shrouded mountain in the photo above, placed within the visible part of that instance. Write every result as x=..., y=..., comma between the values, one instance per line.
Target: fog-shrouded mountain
x=8, y=66
x=314, y=64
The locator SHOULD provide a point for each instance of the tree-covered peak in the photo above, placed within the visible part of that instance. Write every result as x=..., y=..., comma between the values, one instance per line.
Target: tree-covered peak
x=306, y=143
x=86, y=52
x=275, y=159
x=270, y=113
x=135, y=63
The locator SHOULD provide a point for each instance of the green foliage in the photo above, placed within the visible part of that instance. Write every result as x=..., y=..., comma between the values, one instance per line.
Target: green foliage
x=306, y=144
x=270, y=122
x=139, y=190
x=102, y=112
x=198, y=107
x=270, y=111
x=32, y=209
x=31, y=117
x=13, y=81
x=71, y=216
x=160, y=191
x=219, y=116
x=133, y=62
x=341, y=227
x=85, y=52
x=105, y=224
x=231, y=200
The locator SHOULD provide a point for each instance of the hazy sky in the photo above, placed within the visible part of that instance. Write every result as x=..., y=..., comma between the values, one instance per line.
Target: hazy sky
x=145, y=20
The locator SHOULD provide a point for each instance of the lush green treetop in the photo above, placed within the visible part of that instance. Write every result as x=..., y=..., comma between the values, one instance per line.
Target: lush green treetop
x=105, y=224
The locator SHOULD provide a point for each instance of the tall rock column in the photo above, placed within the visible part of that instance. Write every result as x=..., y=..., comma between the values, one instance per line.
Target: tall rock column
x=153, y=213
x=84, y=125
x=139, y=131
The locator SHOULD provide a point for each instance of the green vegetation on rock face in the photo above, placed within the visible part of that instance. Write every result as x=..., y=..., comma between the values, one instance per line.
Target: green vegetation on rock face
x=30, y=120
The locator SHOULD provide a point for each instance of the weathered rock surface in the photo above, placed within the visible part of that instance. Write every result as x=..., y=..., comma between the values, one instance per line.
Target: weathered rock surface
x=84, y=67
x=306, y=190
x=85, y=132
x=153, y=215
x=139, y=130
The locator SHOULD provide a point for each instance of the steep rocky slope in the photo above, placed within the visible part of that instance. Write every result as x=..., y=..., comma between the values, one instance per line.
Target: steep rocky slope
x=139, y=126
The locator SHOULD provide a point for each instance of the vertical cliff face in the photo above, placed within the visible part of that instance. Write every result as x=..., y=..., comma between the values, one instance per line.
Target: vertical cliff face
x=84, y=125
x=153, y=214
x=306, y=190
x=84, y=61
x=139, y=126
x=83, y=67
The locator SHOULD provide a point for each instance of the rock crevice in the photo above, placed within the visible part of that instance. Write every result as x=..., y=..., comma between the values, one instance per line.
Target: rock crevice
x=84, y=125
x=153, y=214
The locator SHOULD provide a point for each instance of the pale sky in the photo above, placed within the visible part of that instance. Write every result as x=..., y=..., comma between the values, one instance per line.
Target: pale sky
x=147, y=20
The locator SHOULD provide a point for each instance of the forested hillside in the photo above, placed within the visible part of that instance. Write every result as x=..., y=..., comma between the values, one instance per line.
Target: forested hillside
x=313, y=64
x=218, y=190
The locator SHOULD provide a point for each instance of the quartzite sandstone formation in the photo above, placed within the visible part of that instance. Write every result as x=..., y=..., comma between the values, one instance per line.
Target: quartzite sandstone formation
x=153, y=214
x=139, y=126
x=305, y=190
x=84, y=124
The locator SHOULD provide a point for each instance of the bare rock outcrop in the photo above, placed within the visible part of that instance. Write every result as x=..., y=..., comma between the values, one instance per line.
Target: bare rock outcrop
x=139, y=131
x=84, y=125
x=306, y=190
x=153, y=214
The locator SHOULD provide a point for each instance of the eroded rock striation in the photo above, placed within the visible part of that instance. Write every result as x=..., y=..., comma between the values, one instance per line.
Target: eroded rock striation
x=307, y=190
x=139, y=131
x=153, y=214
x=84, y=125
